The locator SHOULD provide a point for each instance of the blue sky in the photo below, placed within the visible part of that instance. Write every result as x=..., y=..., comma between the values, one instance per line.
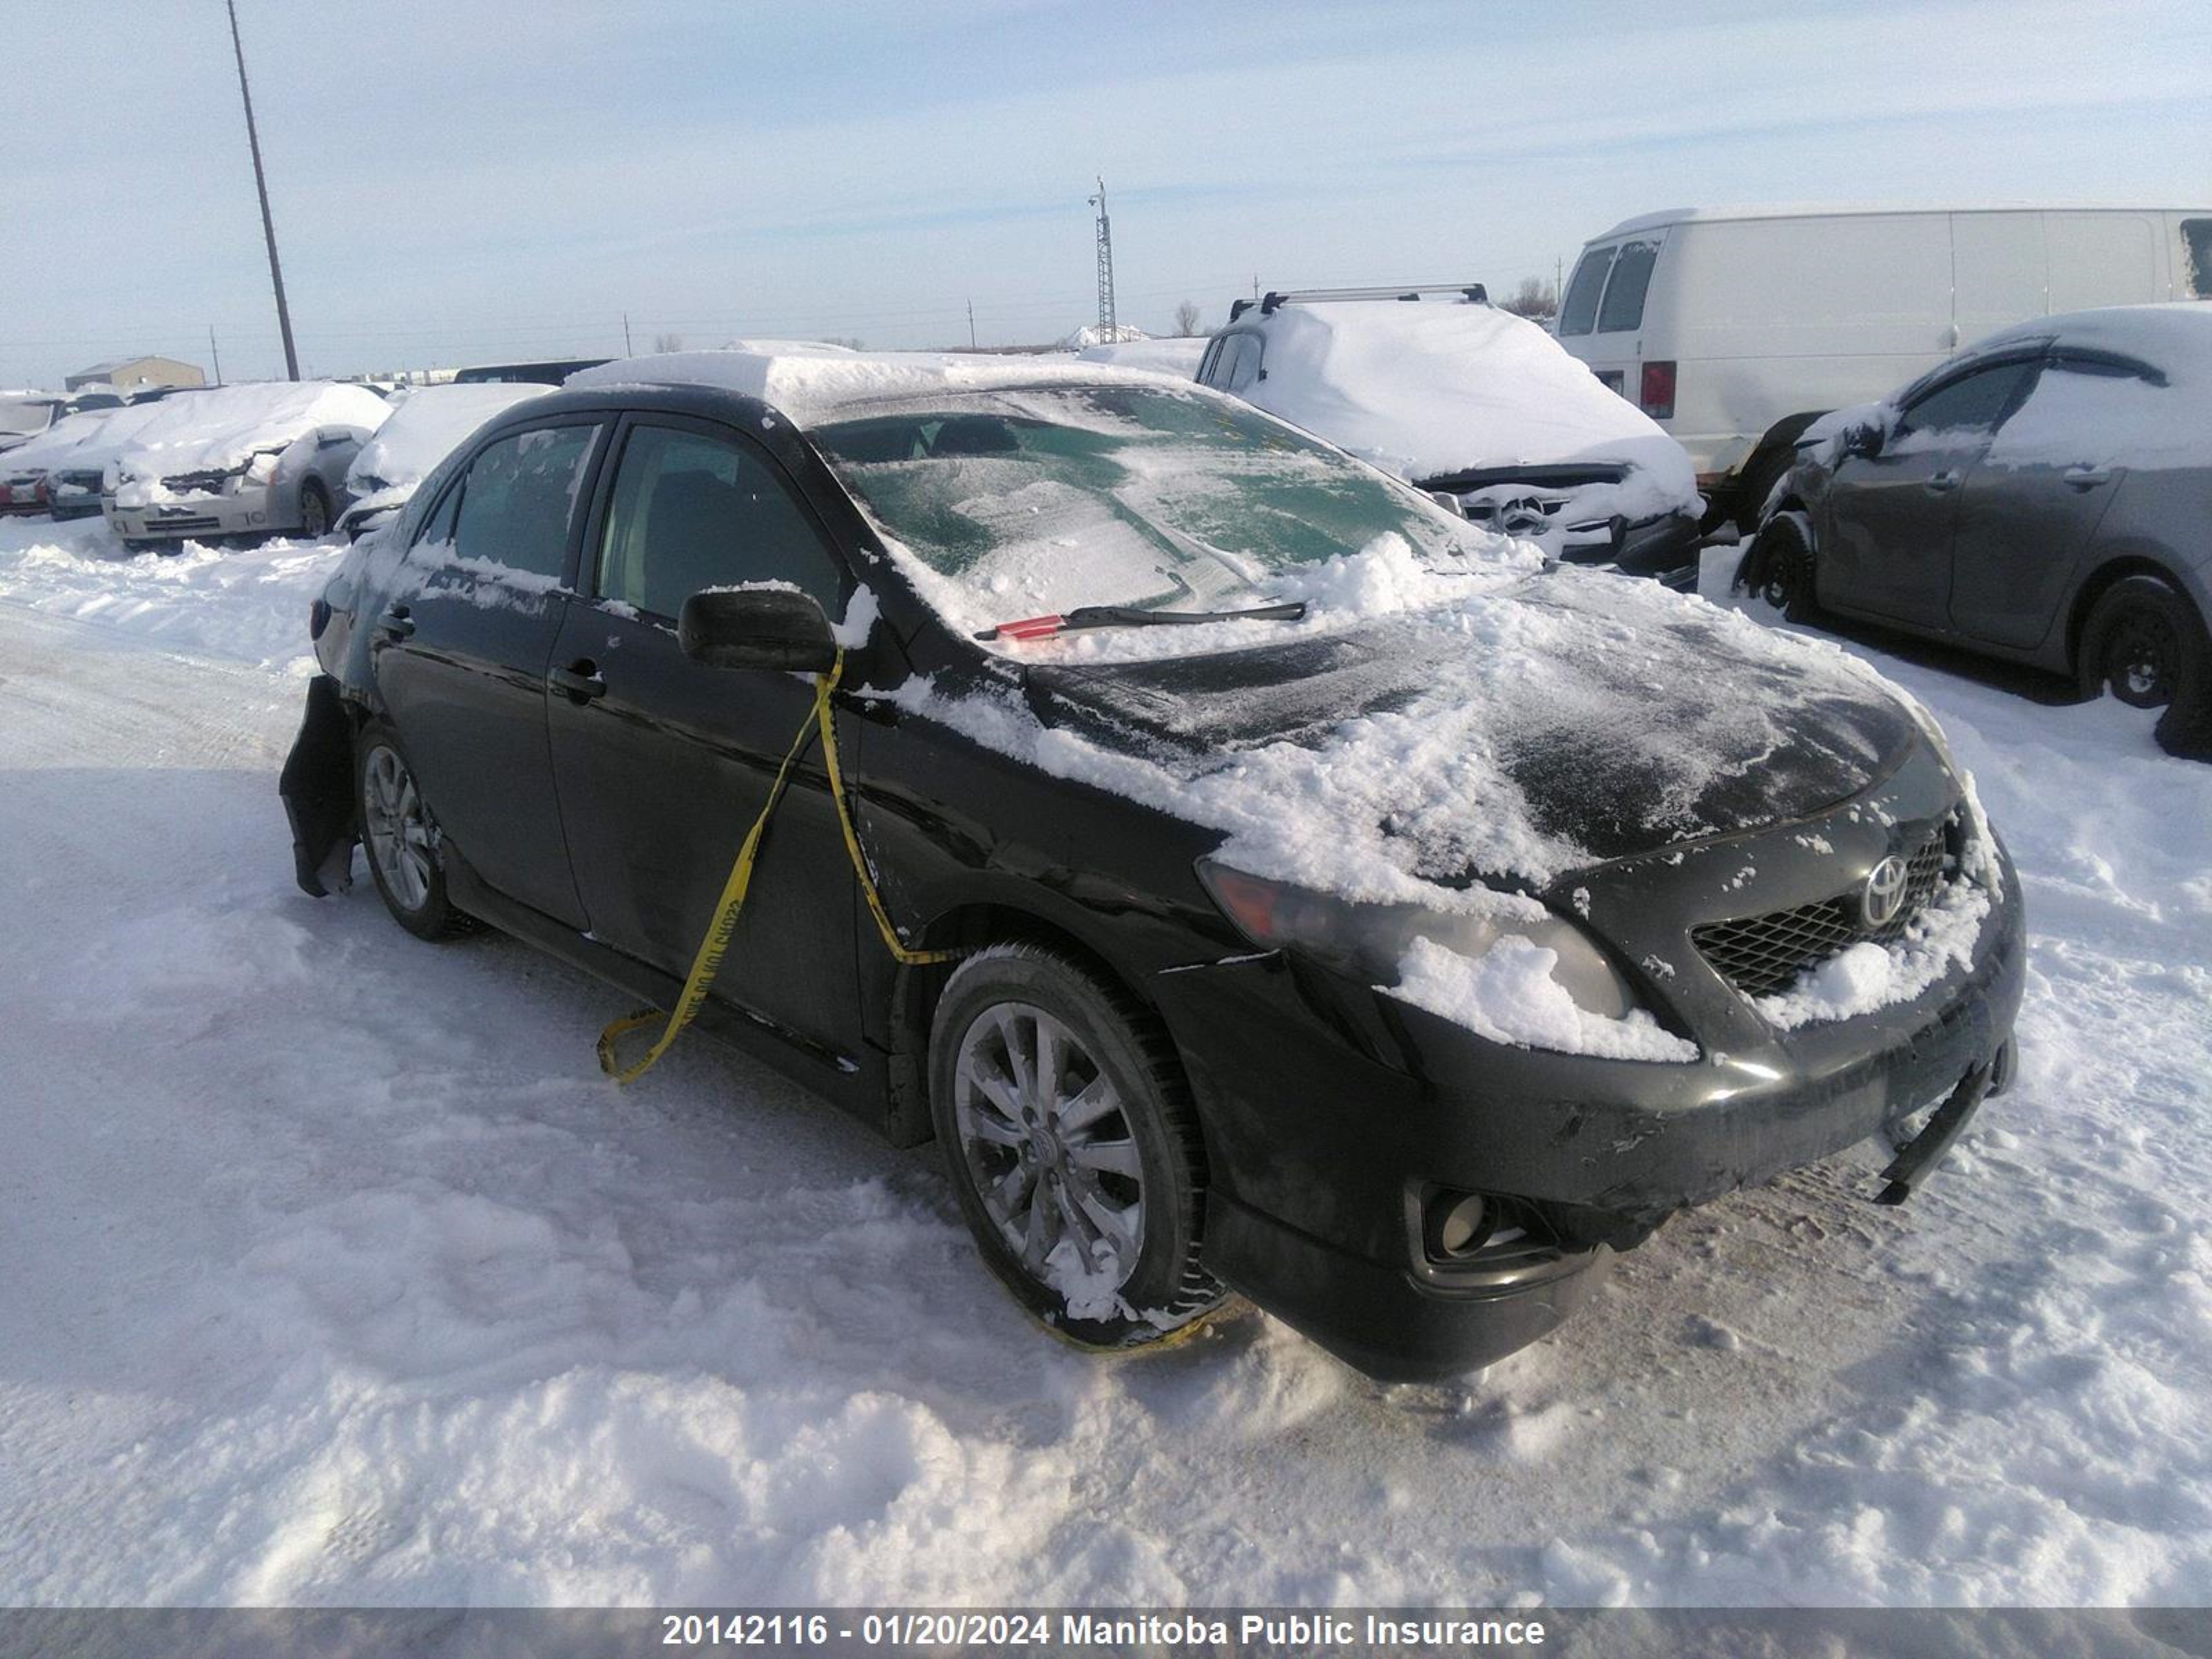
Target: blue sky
x=465, y=180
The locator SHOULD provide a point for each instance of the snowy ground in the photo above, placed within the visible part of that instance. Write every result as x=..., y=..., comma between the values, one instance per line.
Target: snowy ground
x=337, y=1274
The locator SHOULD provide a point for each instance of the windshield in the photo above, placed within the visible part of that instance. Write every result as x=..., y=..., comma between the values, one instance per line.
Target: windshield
x=1035, y=502
x=21, y=415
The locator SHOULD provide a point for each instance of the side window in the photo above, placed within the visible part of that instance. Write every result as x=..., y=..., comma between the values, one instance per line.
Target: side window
x=438, y=526
x=1245, y=368
x=1210, y=364
x=517, y=498
x=2197, y=235
x=1579, y=309
x=1975, y=403
x=691, y=511
x=1624, y=294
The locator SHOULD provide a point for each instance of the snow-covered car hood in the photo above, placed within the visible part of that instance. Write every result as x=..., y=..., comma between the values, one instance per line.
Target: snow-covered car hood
x=1520, y=734
x=220, y=429
x=1436, y=392
x=424, y=428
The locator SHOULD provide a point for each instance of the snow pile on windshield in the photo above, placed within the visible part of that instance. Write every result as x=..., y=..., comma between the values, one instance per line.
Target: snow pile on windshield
x=424, y=427
x=219, y=428
x=1429, y=391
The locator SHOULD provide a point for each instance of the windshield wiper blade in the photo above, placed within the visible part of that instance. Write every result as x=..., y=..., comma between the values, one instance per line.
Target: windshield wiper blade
x=1128, y=616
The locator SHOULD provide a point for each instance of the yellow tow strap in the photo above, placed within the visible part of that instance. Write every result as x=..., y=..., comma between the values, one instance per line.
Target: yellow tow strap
x=709, y=961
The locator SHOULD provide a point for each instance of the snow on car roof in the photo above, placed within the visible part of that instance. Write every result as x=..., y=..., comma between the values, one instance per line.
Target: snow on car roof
x=810, y=382
x=425, y=425
x=1665, y=216
x=1428, y=388
x=220, y=427
x=2175, y=336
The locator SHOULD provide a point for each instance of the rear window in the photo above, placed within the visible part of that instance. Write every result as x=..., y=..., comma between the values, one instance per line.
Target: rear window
x=1579, y=310
x=1624, y=294
x=2198, y=234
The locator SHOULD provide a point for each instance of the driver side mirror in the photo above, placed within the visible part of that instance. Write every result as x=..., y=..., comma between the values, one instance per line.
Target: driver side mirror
x=774, y=628
x=1450, y=502
x=1864, y=440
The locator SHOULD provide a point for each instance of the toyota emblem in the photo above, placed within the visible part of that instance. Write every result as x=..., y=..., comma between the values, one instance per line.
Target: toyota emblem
x=1883, y=896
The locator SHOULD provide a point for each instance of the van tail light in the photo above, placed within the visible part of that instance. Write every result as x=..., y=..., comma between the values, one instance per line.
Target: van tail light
x=1658, y=390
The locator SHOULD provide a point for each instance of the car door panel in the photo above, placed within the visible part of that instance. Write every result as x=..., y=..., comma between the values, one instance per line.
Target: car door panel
x=2031, y=511
x=1892, y=516
x=461, y=653
x=662, y=764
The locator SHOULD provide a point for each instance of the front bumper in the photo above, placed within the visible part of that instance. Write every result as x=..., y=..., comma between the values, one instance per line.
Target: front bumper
x=1320, y=1144
x=246, y=513
x=1652, y=547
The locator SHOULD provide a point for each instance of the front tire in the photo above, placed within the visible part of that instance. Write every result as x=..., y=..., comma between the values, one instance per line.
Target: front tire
x=405, y=851
x=314, y=511
x=1072, y=1146
x=1782, y=557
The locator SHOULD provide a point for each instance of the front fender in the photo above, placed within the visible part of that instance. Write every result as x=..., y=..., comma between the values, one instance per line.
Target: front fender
x=317, y=788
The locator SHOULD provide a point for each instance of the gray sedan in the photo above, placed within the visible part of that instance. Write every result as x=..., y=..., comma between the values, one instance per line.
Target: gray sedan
x=2043, y=497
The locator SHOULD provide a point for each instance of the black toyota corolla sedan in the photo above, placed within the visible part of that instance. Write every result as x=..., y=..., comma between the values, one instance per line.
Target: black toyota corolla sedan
x=1258, y=879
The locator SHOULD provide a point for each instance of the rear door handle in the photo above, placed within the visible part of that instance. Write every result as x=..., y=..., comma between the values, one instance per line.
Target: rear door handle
x=2087, y=478
x=397, y=623
x=580, y=681
x=1946, y=479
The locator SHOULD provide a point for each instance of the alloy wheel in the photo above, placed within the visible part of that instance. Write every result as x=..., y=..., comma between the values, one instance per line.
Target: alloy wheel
x=401, y=837
x=1049, y=1145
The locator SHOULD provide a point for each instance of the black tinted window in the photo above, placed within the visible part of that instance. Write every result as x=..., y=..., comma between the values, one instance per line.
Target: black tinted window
x=691, y=512
x=2197, y=233
x=519, y=497
x=1975, y=402
x=1624, y=294
x=1579, y=310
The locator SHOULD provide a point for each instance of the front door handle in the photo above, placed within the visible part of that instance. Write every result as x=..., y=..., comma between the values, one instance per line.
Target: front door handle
x=580, y=681
x=2087, y=478
x=396, y=623
x=1945, y=480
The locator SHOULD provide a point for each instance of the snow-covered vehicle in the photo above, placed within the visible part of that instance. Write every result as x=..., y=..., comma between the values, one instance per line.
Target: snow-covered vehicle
x=421, y=430
x=1466, y=400
x=59, y=472
x=26, y=414
x=1251, y=874
x=2043, y=497
x=264, y=458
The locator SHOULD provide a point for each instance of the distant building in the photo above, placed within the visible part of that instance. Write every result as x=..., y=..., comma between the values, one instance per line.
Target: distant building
x=135, y=374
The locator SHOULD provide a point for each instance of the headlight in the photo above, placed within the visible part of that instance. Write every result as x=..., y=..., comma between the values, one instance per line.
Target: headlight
x=1932, y=731
x=258, y=470
x=1370, y=941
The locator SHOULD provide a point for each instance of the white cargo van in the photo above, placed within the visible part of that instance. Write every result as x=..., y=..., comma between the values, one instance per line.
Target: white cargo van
x=1734, y=328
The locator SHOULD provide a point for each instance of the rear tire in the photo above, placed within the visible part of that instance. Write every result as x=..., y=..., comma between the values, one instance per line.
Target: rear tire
x=2143, y=643
x=401, y=837
x=1072, y=1146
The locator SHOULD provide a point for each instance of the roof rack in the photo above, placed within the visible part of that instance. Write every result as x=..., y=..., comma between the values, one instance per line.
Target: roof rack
x=1473, y=291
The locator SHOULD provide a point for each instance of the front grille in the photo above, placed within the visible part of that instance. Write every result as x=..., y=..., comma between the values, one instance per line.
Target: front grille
x=196, y=483
x=163, y=526
x=1762, y=955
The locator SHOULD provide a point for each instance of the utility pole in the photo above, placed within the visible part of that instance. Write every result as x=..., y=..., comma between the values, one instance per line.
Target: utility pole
x=261, y=187
x=628, y=350
x=971, y=325
x=1108, y=333
x=215, y=352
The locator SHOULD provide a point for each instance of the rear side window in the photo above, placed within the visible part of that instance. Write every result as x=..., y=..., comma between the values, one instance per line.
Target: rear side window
x=2197, y=235
x=1244, y=369
x=518, y=499
x=1624, y=294
x=692, y=510
x=1975, y=403
x=1579, y=310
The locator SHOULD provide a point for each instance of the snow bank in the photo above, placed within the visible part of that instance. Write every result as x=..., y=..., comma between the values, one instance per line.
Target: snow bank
x=1427, y=389
x=249, y=605
x=1178, y=357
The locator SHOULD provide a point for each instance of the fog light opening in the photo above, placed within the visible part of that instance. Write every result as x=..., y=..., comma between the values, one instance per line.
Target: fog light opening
x=1455, y=1225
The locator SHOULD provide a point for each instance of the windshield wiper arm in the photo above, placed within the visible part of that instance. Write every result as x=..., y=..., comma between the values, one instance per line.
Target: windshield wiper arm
x=1128, y=616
